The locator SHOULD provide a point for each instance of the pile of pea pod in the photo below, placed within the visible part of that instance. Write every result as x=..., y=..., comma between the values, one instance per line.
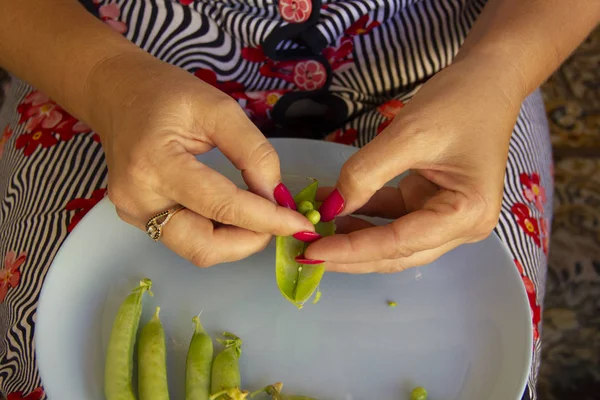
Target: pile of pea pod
x=208, y=378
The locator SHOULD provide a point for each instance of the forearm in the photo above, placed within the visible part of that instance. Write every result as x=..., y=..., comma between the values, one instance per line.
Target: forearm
x=521, y=42
x=55, y=45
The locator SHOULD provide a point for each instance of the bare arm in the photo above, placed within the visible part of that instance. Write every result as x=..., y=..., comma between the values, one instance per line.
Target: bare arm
x=521, y=42
x=56, y=45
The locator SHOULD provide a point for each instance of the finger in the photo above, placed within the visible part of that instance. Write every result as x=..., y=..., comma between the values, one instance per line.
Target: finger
x=392, y=203
x=364, y=173
x=396, y=265
x=350, y=224
x=196, y=239
x=248, y=149
x=444, y=218
x=210, y=194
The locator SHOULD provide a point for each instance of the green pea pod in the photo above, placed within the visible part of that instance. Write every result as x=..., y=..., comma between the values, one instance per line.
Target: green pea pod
x=152, y=361
x=298, y=282
x=274, y=391
x=198, y=364
x=118, y=369
x=225, y=377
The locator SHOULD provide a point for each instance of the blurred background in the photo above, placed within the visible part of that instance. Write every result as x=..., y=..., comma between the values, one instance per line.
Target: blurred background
x=570, y=368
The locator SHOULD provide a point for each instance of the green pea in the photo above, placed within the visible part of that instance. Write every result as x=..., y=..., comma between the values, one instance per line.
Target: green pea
x=152, y=361
x=274, y=391
x=297, y=283
x=418, y=393
x=118, y=369
x=198, y=364
x=313, y=216
x=305, y=207
x=225, y=377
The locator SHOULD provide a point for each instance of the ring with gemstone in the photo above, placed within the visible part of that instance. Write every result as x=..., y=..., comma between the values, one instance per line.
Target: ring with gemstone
x=155, y=224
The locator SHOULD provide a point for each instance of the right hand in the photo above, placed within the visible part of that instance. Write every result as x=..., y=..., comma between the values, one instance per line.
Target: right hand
x=153, y=118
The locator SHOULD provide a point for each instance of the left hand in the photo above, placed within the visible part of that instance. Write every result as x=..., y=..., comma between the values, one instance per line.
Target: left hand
x=454, y=137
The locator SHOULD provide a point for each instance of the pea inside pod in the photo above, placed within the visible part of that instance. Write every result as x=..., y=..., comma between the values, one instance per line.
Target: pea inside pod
x=152, y=361
x=198, y=364
x=298, y=282
x=274, y=391
x=118, y=369
x=225, y=377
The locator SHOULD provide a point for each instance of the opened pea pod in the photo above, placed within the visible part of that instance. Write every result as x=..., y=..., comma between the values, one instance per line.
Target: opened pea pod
x=297, y=282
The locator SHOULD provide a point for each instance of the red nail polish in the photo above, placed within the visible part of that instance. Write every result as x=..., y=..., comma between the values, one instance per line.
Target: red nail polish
x=302, y=260
x=307, y=236
x=332, y=206
x=283, y=197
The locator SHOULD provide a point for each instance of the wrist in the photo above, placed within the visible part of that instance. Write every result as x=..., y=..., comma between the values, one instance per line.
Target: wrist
x=113, y=85
x=495, y=69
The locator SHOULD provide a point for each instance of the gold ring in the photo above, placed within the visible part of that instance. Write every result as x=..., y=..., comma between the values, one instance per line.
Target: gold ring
x=156, y=223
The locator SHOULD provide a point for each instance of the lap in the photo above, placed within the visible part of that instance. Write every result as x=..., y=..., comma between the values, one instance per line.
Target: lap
x=50, y=179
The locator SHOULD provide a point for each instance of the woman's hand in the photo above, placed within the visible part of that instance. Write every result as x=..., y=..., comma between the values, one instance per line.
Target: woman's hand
x=155, y=118
x=453, y=136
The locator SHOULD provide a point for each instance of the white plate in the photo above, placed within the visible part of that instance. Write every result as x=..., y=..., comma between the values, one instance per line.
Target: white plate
x=462, y=327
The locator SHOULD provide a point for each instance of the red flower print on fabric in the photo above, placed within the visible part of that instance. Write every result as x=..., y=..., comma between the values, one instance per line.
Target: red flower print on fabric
x=43, y=118
x=533, y=191
x=186, y=2
x=341, y=56
x=83, y=206
x=210, y=77
x=258, y=105
x=71, y=127
x=254, y=54
x=31, y=141
x=295, y=11
x=309, y=75
x=343, y=136
x=536, y=310
x=545, y=236
x=10, y=276
x=110, y=14
x=383, y=125
x=39, y=111
x=37, y=394
x=306, y=75
x=390, y=108
x=6, y=134
x=362, y=26
x=526, y=221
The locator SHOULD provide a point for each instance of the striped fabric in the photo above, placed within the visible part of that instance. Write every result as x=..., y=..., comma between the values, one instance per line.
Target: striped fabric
x=369, y=57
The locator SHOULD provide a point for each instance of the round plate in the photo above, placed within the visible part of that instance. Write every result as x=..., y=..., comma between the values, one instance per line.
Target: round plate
x=461, y=328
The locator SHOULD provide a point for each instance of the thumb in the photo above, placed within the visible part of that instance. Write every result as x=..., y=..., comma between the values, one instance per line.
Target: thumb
x=388, y=155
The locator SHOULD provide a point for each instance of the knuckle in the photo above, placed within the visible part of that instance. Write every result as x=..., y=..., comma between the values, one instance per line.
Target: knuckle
x=118, y=195
x=462, y=205
x=487, y=224
x=354, y=178
x=225, y=212
x=399, y=251
x=202, y=258
x=227, y=108
x=264, y=155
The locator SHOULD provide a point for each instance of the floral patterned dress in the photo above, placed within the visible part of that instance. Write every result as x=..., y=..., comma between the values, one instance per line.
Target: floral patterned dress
x=360, y=61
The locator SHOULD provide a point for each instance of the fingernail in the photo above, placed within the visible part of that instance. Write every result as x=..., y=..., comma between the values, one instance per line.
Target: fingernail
x=283, y=197
x=307, y=236
x=302, y=260
x=332, y=206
